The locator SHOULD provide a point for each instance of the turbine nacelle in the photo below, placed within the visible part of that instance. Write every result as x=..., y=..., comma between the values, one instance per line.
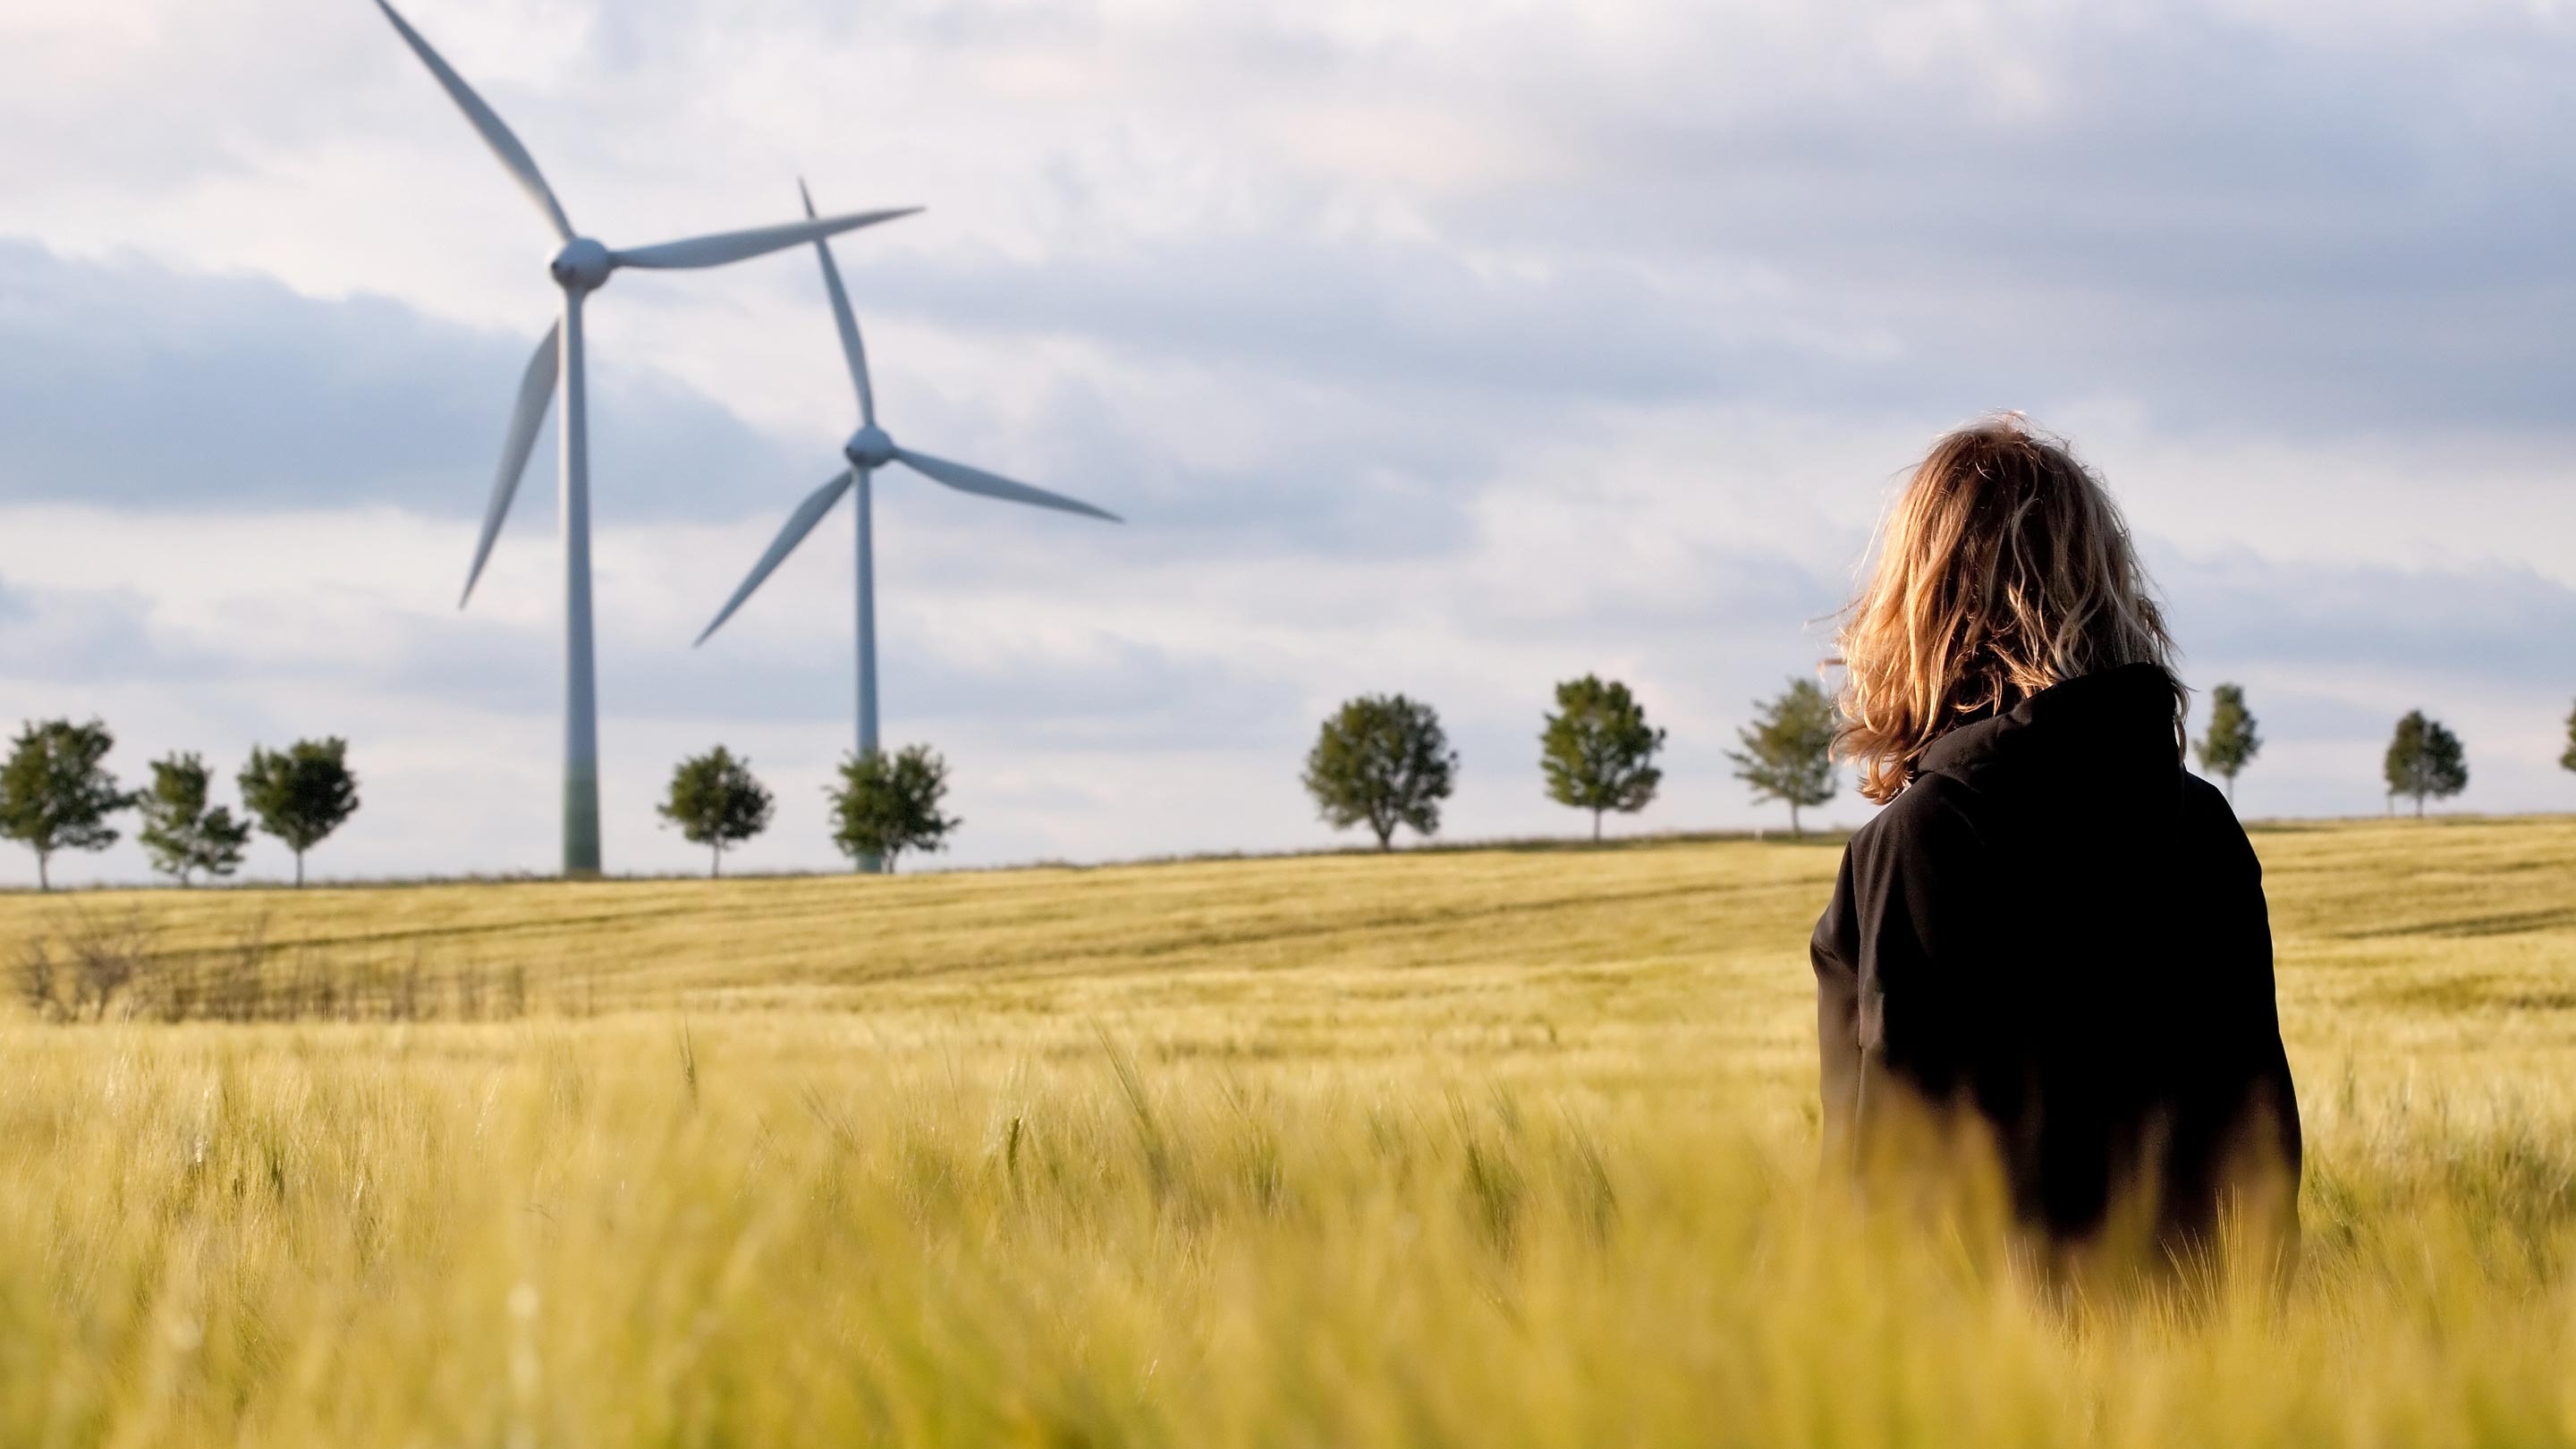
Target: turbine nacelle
x=582, y=266
x=869, y=447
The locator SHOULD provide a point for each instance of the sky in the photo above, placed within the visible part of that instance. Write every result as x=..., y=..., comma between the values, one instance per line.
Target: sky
x=1444, y=348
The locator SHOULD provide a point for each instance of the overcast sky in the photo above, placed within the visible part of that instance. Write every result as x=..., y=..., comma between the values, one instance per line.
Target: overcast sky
x=1451, y=348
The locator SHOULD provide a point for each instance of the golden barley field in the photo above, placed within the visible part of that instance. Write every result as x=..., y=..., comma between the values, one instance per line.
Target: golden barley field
x=1483, y=1147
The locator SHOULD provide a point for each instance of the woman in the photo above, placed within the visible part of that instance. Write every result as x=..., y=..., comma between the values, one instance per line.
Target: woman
x=2051, y=947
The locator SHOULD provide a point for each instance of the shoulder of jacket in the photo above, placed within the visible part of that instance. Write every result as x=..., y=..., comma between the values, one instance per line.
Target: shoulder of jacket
x=2211, y=812
x=1935, y=804
x=2206, y=796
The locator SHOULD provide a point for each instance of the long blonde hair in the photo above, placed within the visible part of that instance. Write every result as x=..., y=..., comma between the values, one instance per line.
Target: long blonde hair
x=2003, y=568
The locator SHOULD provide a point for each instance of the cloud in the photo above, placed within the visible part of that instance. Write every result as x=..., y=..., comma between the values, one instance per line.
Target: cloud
x=83, y=635
x=127, y=384
x=2238, y=219
x=2496, y=624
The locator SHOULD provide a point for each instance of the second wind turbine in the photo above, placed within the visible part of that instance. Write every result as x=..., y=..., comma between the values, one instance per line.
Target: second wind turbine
x=868, y=450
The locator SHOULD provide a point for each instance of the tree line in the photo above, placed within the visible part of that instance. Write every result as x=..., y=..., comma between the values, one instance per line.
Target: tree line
x=882, y=804
x=1381, y=760
x=2424, y=760
x=57, y=794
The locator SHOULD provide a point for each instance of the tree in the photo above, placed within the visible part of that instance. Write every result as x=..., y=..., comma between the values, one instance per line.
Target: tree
x=1788, y=750
x=2568, y=760
x=1383, y=760
x=1597, y=751
x=182, y=836
x=302, y=794
x=888, y=804
x=2425, y=759
x=55, y=794
x=716, y=803
x=2230, y=743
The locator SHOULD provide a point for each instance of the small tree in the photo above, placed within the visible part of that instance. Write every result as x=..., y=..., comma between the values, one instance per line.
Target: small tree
x=2567, y=761
x=716, y=803
x=2425, y=759
x=1597, y=751
x=55, y=792
x=2231, y=743
x=182, y=836
x=1382, y=759
x=888, y=804
x=302, y=794
x=1788, y=750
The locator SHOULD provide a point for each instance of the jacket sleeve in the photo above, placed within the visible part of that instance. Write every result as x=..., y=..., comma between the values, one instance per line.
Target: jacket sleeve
x=2266, y=1115
x=1900, y=960
x=1835, y=956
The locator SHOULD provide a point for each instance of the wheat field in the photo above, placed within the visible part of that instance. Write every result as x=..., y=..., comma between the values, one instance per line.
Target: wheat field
x=1476, y=1147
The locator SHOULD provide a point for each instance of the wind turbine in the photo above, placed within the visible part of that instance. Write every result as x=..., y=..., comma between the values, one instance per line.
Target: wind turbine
x=582, y=266
x=868, y=450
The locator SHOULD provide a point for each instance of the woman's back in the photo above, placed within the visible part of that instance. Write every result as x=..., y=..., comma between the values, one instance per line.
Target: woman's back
x=2054, y=935
x=2057, y=928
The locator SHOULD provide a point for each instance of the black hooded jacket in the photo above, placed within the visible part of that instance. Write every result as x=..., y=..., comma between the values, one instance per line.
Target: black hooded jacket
x=2056, y=928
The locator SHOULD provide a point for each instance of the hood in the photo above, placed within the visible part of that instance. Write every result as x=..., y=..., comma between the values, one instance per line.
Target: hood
x=2117, y=723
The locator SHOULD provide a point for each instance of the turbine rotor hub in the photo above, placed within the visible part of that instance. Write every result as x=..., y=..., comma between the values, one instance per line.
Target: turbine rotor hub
x=869, y=447
x=582, y=266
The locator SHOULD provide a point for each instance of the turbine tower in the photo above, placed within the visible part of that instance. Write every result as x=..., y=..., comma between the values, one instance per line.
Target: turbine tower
x=581, y=266
x=868, y=450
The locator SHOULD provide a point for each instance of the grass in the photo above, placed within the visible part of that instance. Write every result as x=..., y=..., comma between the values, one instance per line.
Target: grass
x=1483, y=1147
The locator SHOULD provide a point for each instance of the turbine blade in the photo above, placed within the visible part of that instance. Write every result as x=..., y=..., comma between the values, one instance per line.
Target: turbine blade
x=843, y=318
x=994, y=485
x=536, y=389
x=799, y=524
x=495, y=134
x=734, y=246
